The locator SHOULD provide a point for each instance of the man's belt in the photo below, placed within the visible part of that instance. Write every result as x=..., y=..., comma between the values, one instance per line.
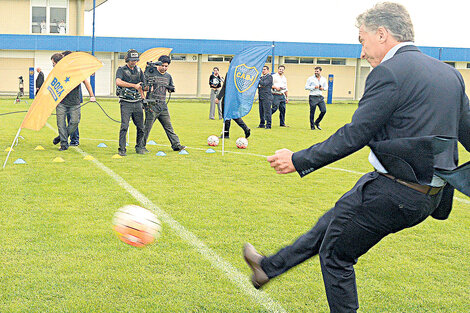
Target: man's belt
x=428, y=190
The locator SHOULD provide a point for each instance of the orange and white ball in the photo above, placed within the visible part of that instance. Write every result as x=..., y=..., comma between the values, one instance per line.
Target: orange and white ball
x=213, y=141
x=136, y=226
x=242, y=143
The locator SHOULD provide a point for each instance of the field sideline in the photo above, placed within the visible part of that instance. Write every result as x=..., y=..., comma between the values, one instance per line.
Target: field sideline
x=60, y=253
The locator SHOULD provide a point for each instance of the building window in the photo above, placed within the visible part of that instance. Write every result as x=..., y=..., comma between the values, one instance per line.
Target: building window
x=215, y=58
x=338, y=62
x=306, y=60
x=49, y=17
x=323, y=61
x=269, y=59
x=450, y=63
x=228, y=58
x=291, y=60
x=178, y=57
x=468, y=65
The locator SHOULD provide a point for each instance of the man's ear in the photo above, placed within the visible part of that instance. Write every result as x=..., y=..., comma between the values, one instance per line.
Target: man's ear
x=382, y=34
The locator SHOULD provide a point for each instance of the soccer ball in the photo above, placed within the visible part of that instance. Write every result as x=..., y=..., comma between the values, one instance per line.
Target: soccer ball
x=136, y=226
x=242, y=143
x=213, y=140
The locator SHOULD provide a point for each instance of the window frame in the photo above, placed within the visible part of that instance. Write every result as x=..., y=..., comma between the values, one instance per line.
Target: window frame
x=48, y=7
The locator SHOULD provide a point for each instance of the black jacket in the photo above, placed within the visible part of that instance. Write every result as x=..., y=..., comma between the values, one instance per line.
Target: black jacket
x=409, y=101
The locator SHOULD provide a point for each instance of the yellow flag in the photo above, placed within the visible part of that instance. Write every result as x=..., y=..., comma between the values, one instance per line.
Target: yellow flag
x=152, y=55
x=67, y=74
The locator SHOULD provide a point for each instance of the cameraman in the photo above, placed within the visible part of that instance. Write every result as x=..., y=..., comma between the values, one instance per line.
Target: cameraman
x=129, y=79
x=157, y=107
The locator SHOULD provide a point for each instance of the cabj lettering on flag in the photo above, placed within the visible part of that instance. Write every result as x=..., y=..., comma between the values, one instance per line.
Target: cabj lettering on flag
x=242, y=80
x=67, y=74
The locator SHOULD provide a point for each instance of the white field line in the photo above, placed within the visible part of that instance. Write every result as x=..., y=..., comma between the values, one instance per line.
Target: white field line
x=264, y=156
x=218, y=262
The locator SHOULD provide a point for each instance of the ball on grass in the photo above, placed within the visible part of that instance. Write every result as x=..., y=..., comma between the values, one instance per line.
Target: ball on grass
x=136, y=226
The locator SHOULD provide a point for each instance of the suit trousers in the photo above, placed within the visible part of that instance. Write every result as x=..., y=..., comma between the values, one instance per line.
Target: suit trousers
x=265, y=107
x=65, y=128
x=214, y=93
x=315, y=101
x=163, y=117
x=374, y=208
x=279, y=102
x=134, y=110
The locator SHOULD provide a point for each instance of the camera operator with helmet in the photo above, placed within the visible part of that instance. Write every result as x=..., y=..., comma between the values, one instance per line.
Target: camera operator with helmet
x=129, y=79
x=159, y=81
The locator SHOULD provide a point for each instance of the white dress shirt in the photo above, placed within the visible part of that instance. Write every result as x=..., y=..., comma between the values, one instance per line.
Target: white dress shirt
x=313, y=82
x=279, y=81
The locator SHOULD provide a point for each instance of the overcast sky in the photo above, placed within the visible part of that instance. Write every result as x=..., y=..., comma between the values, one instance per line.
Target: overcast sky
x=441, y=23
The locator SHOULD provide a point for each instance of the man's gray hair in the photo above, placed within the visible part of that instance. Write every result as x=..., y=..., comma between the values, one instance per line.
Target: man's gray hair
x=392, y=16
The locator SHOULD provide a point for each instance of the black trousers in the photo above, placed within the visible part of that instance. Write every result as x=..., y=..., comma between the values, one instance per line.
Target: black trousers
x=163, y=117
x=134, y=110
x=315, y=101
x=374, y=208
x=279, y=102
x=227, y=123
x=265, y=106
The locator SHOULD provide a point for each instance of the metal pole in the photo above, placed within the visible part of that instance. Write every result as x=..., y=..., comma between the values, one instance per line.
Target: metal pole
x=92, y=78
x=272, y=60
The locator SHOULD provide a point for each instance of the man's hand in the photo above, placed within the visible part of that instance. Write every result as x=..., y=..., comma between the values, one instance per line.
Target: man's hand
x=216, y=101
x=138, y=86
x=281, y=161
x=92, y=99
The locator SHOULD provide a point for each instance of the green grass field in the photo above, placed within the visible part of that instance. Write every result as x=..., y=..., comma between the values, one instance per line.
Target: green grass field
x=59, y=252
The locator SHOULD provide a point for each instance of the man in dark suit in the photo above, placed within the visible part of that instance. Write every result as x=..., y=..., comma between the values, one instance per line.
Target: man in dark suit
x=39, y=80
x=413, y=111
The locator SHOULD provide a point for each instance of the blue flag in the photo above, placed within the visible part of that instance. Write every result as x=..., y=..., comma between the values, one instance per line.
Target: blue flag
x=242, y=81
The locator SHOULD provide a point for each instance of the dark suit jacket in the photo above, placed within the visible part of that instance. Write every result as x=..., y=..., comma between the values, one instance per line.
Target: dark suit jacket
x=39, y=80
x=410, y=96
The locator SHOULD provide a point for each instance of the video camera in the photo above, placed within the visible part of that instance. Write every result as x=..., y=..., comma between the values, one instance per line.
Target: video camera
x=150, y=73
x=150, y=81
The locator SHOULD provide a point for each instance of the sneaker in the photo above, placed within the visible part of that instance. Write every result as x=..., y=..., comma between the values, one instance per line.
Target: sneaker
x=318, y=125
x=179, y=148
x=284, y=125
x=261, y=126
x=145, y=150
x=56, y=140
x=74, y=144
x=63, y=148
x=268, y=127
x=139, y=151
x=122, y=153
x=226, y=136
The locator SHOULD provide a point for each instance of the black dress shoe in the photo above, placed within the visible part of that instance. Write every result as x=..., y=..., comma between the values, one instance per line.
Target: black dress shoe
x=56, y=140
x=247, y=133
x=253, y=259
x=179, y=148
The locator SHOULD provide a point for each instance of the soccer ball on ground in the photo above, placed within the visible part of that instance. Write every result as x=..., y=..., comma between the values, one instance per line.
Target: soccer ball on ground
x=242, y=143
x=136, y=226
x=213, y=140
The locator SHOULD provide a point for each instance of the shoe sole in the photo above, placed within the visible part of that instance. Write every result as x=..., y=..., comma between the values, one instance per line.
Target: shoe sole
x=255, y=284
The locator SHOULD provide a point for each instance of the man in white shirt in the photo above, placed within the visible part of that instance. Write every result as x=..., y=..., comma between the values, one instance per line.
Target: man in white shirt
x=279, y=91
x=316, y=84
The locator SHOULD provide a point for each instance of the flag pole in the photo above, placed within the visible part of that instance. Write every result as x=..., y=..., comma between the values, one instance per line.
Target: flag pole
x=223, y=138
x=12, y=144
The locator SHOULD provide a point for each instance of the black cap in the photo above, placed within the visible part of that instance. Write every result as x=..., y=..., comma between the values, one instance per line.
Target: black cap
x=132, y=55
